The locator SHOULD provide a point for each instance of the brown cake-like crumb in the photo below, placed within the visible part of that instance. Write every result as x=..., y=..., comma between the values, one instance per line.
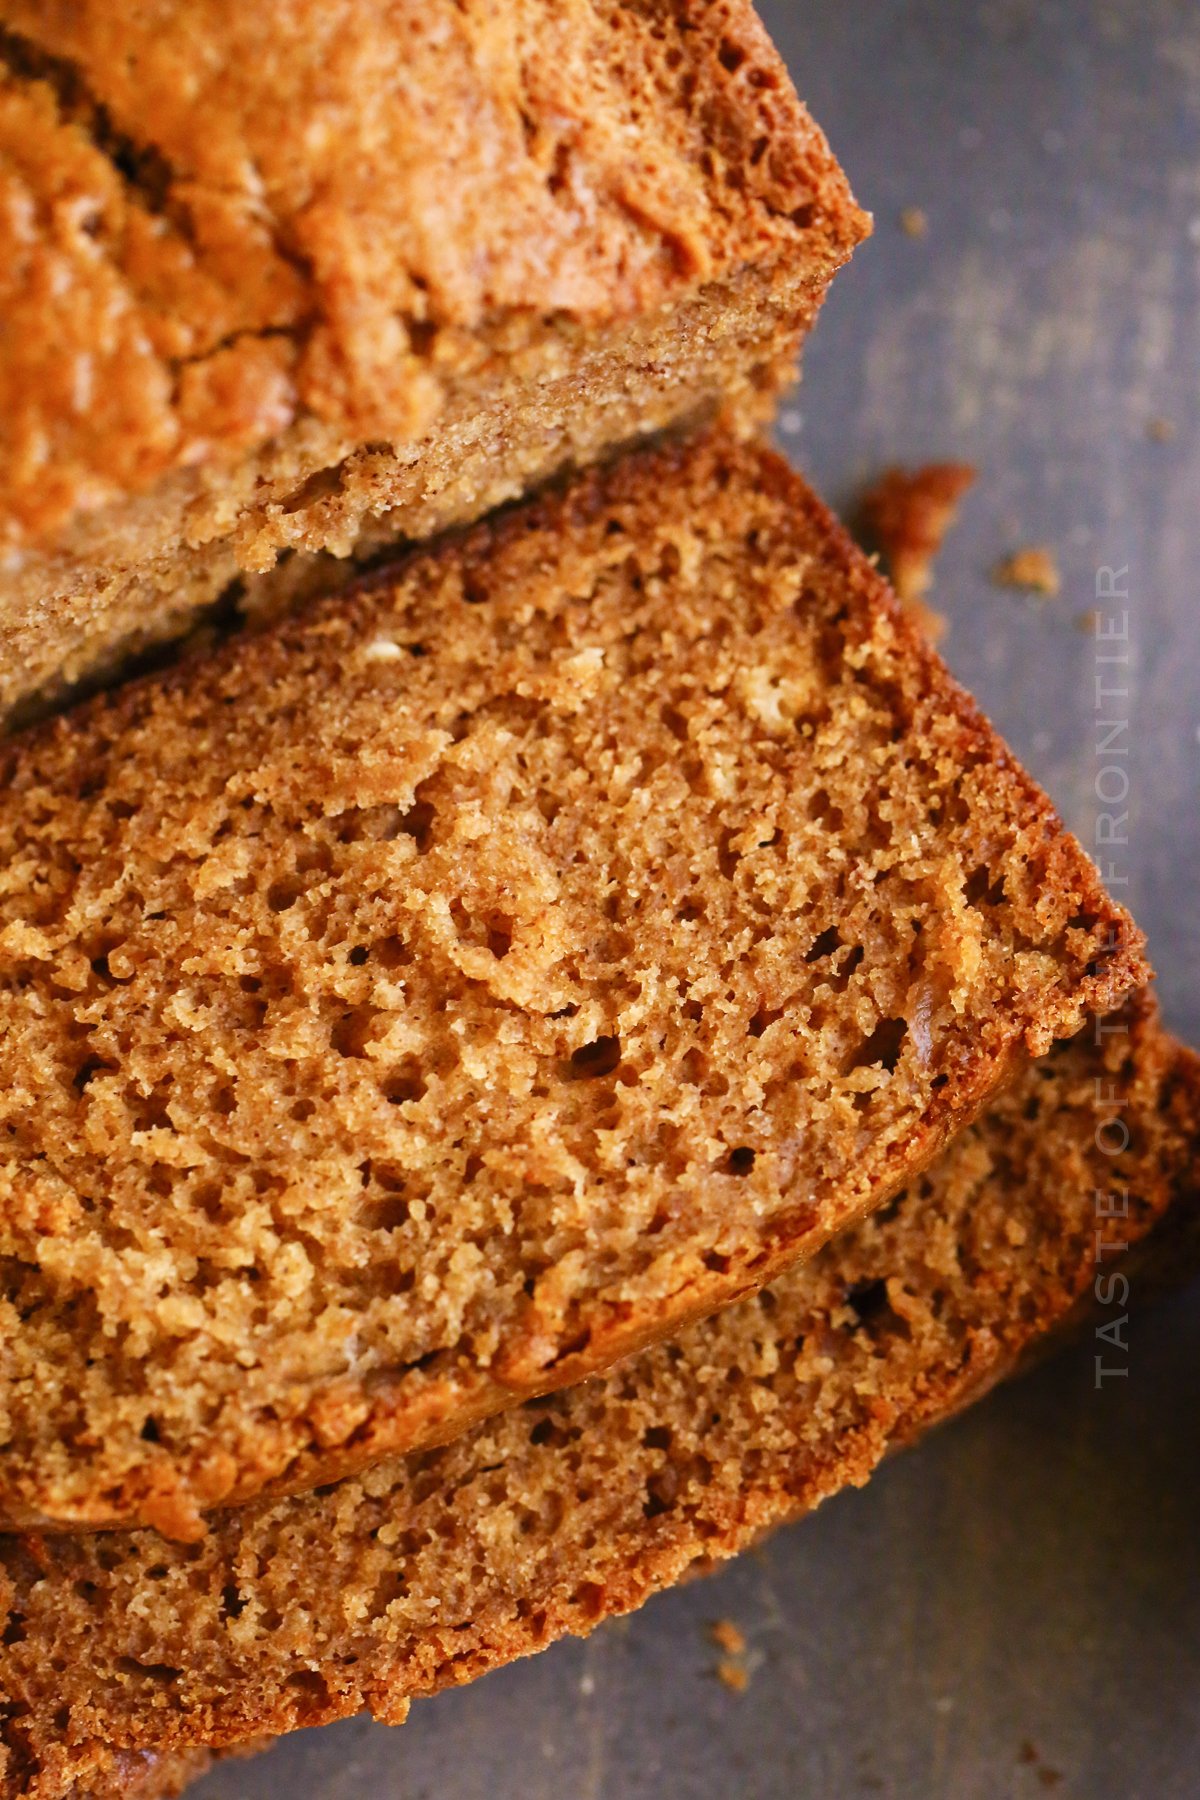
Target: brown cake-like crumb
x=271, y=274
x=734, y=1676
x=906, y=515
x=96, y=1772
x=914, y=222
x=429, y=1571
x=424, y=1003
x=1034, y=568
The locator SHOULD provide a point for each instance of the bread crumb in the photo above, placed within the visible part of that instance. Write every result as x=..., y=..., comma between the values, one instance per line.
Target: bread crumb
x=906, y=515
x=727, y=1636
x=732, y=1670
x=1161, y=430
x=1087, y=621
x=1030, y=1757
x=914, y=223
x=734, y=1676
x=1034, y=568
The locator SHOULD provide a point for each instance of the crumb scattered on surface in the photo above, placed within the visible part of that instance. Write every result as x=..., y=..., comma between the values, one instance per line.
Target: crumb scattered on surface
x=727, y=1636
x=1034, y=567
x=1087, y=621
x=1030, y=1757
x=734, y=1676
x=732, y=1670
x=906, y=515
x=914, y=223
x=1161, y=430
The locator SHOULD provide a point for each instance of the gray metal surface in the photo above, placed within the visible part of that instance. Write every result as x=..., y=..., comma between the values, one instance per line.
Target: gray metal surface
x=1013, y=1609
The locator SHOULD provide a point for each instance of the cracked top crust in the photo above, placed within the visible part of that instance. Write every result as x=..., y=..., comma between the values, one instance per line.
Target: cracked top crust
x=217, y=220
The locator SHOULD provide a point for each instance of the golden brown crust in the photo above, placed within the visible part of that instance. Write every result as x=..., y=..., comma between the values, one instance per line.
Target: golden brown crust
x=250, y=216
x=428, y=1572
x=433, y=999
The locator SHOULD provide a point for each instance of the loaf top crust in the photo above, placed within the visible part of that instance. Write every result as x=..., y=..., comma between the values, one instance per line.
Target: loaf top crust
x=428, y=1572
x=220, y=220
x=426, y=1001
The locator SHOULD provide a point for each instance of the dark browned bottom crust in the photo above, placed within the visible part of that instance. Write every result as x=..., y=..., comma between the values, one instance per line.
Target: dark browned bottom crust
x=426, y=1573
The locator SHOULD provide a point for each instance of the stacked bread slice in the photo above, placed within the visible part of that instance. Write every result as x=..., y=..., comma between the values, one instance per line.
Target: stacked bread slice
x=579, y=974
x=284, y=282
x=601, y=942
x=428, y=1571
x=421, y=1004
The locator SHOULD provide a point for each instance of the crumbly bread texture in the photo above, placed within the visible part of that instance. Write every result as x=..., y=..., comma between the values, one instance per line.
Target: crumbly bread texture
x=429, y=1000
x=270, y=271
x=96, y=1772
x=427, y=1572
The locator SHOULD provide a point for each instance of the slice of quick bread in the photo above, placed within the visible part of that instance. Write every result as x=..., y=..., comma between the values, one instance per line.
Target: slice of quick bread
x=429, y=1571
x=281, y=281
x=426, y=1002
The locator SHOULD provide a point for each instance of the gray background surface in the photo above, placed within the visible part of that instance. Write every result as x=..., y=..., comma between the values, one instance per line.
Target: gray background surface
x=1013, y=1609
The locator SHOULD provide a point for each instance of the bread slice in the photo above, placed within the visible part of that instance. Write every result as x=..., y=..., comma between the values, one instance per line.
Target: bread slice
x=425, y=1003
x=273, y=276
x=426, y=1573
